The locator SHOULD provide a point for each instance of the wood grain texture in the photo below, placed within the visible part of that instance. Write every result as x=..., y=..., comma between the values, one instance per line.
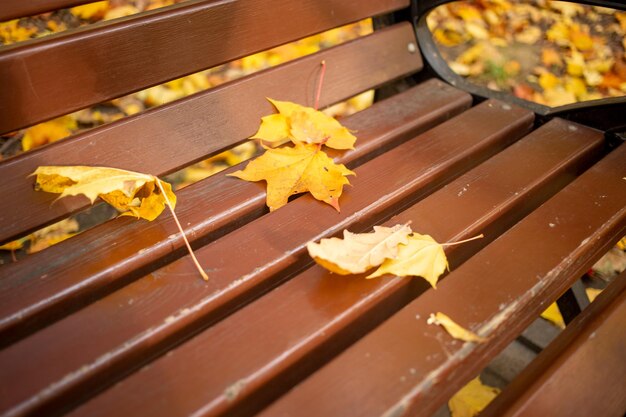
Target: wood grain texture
x=54, y=282
x=168, y=137
x=14, y=9
x=407, y=367
x=64, y=72
x=172, y=303
x=265, y=348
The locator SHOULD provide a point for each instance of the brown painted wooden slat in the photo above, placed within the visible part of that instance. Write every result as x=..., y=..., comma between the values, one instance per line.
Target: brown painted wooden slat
x=166, y=138
x=407, y=367
x=261, y=350
x=582, y=373
x=52, y=283
x=14, y=9
x=125, y=328
x=61, y=73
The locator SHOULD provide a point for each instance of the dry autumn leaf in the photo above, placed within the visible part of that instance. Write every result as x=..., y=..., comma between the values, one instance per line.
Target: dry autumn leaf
x=422, y=256
x=454, y=329
x=303, y=125
x=359, y=252
x=553, y=315
x=470, y=400
x=294, y=170
x=131, y=193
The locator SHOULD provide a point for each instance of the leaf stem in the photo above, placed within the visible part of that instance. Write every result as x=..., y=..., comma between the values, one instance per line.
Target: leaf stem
x=319, y=85
x=480, y=236
x=193, y=256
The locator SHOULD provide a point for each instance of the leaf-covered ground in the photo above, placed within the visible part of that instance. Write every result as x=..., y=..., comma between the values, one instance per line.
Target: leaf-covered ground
x=549, y=52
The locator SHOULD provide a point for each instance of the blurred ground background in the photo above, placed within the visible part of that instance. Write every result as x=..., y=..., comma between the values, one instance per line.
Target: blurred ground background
x=552, y=53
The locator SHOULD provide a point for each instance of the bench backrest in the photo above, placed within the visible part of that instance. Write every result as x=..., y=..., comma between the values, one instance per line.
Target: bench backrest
x=51, y=76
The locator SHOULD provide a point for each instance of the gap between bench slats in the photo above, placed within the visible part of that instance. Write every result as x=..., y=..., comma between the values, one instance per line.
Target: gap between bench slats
x=582, y=370
x=14, y=9
x=142, y=319
x=68, y=71
x=60, y=279
x=407, y=367
x=169, y=137
x=263, y=349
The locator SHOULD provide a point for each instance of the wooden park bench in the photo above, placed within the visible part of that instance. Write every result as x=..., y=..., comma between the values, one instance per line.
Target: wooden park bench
x=116, y=321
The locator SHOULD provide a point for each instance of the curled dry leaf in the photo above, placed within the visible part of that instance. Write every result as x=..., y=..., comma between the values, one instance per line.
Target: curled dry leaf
x=422, y=256
x=359, y=252
x=303, y=125
x=131, y=193
x=294, y=170
x=454, y=329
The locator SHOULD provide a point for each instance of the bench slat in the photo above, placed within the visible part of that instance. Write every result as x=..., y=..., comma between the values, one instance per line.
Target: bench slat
x=109, y=59
x=407, y=367
x=289, y=332
x=14, y=9
x=576, y=370
x=169, y=137
x=150, y=314
x=60, y=279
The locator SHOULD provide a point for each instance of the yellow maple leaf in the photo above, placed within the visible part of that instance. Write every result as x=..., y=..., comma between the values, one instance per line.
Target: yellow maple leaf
x=295, y=170
x=470, y=400
x=358, y=252
x=131, y=193
x=454, y=329
x=303, y=125
x=422, y=256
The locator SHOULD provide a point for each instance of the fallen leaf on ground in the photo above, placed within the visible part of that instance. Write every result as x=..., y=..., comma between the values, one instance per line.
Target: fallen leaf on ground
x=422, y=257
x=94, y=11
x=553, y=315
x=131, y=193
x=295, y=170
x=359, y=252
x=472, y=399
x=303, y=125
x=15, y=244
x=454, y=329
x=48, y=132
x=53, y=234
x=592, y=293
